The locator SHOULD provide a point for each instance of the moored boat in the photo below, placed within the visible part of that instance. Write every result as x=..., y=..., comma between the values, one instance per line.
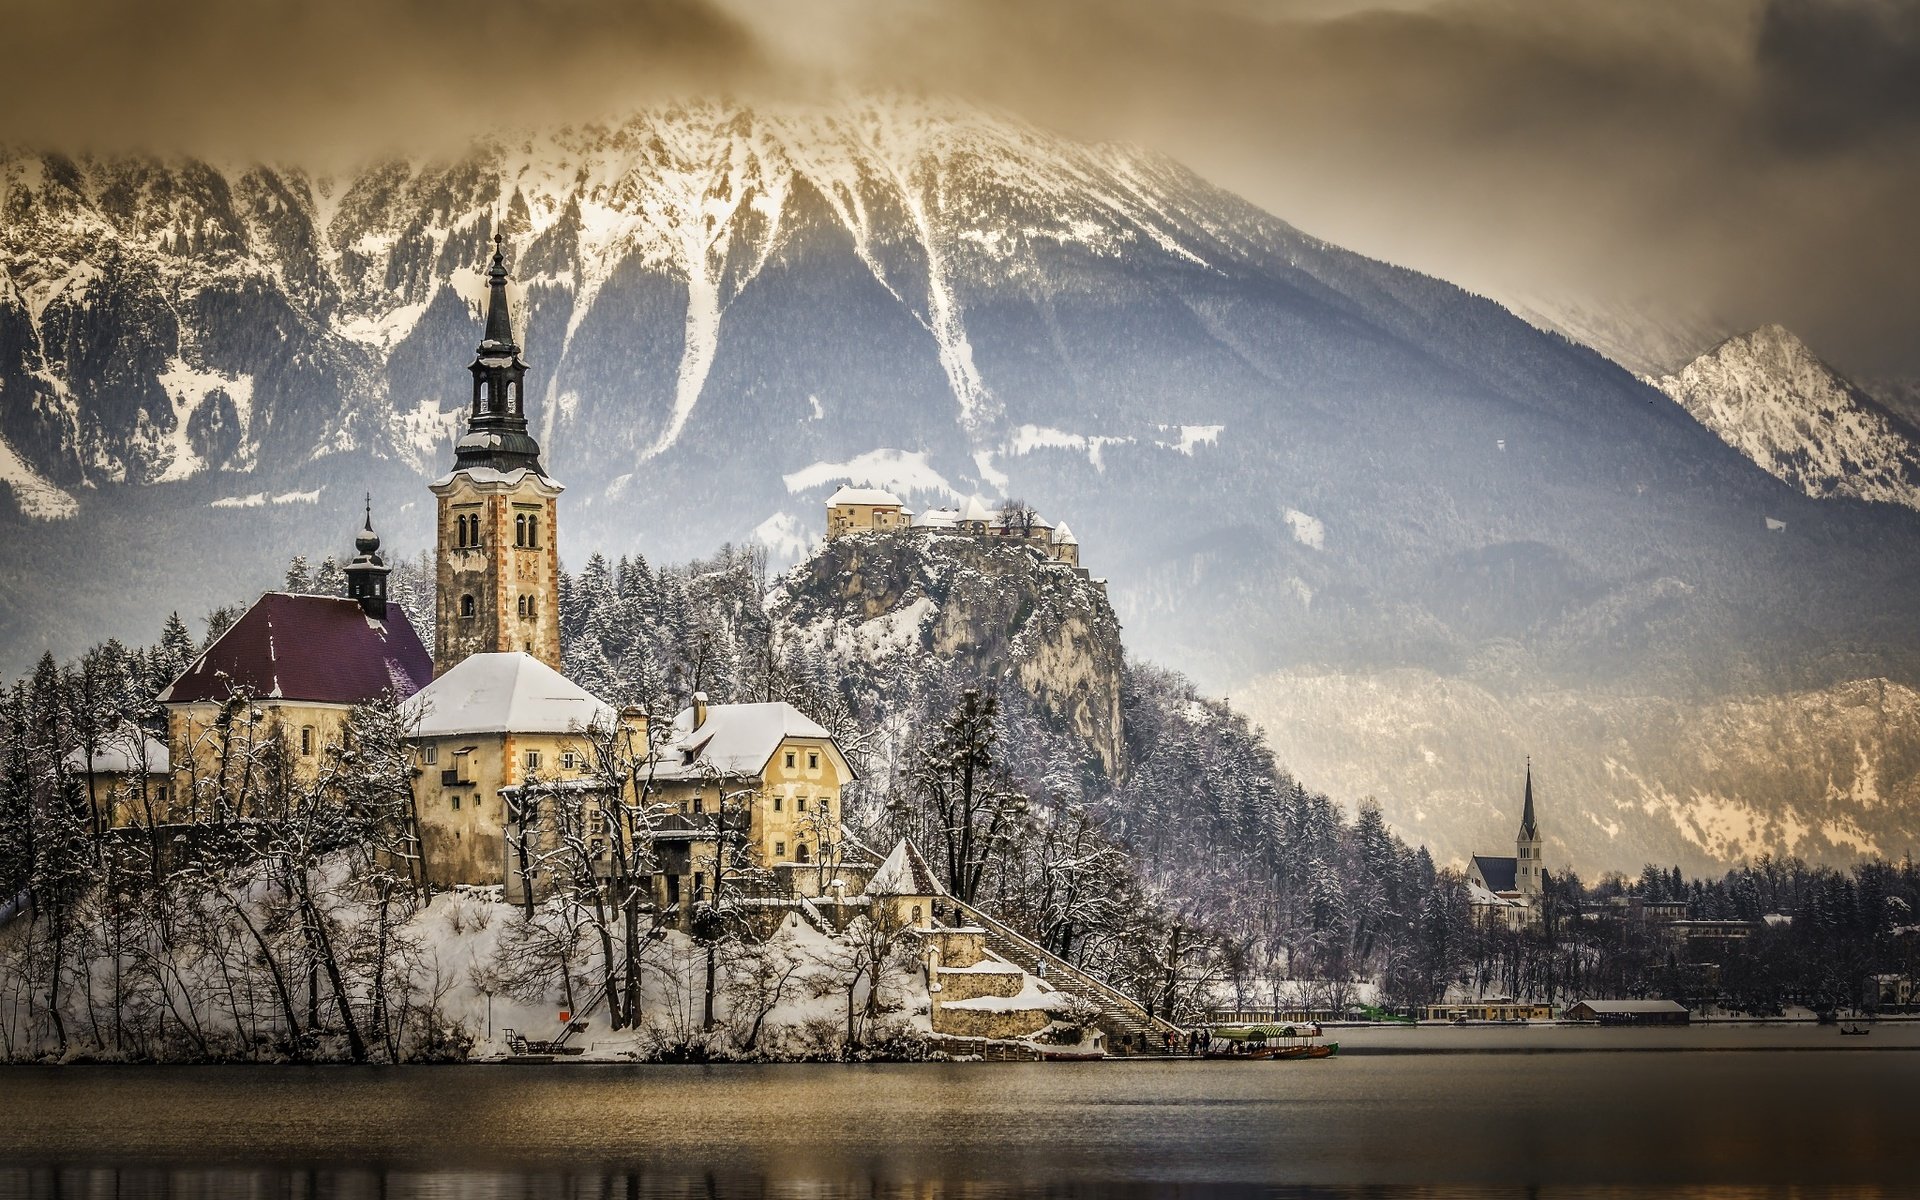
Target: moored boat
x=1300, y=1039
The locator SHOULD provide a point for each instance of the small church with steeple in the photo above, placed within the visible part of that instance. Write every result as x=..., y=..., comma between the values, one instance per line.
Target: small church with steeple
x=1510, y=888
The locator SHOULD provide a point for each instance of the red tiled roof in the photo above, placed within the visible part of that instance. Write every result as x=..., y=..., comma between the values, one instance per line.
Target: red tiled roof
x=321, y=649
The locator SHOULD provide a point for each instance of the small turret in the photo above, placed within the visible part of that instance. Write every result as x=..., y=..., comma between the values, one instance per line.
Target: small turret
x=367, y=573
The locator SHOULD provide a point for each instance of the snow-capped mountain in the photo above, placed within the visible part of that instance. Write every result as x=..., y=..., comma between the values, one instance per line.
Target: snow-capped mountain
x=1284, y=456
x=1770, y=398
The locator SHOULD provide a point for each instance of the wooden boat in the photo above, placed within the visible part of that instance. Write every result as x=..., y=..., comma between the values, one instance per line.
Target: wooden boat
x=1279, y=1042
x=1854, y=1030
x=1311, y=1050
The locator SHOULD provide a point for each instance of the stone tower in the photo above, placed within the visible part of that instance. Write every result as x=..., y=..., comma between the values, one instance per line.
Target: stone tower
x=498, y=566
x=1528, y=873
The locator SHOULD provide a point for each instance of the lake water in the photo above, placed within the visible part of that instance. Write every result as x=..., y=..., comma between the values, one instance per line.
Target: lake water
x=1708, y=1112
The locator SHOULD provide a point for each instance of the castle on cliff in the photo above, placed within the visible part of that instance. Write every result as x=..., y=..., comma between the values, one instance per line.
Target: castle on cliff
x=866, y=510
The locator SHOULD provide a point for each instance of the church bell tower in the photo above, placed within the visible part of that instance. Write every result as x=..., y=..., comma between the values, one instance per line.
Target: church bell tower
x=498, y=564
x=1528, y=873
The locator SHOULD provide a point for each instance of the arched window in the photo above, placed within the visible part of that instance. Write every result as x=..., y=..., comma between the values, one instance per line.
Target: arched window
x=800, y=853
x=533, y=529
x=521, y=604
x=520, y=530
x=466, y=606
x=513, y=397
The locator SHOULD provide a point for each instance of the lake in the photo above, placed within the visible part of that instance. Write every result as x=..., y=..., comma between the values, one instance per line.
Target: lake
x=1706, y=1111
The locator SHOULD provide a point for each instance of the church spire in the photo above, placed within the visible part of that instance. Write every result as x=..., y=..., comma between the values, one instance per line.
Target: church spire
x=1528, y=829
x=499, y=315
x=497, y=434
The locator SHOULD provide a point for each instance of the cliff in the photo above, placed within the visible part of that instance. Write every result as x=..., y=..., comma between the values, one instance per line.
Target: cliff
x=990, y=609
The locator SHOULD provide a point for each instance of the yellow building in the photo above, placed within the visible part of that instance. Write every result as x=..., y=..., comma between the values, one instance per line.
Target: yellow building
x=278, y=685
x=481, y=734
x=864, y=510
x=771, y=766
x=129, y=777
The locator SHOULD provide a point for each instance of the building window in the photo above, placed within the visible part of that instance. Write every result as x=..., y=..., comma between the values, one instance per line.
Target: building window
x=779, y=849
x=776, y=803
x=799, y=804
x=532, y=759
x=160, y=793
x=533, y=531
x=466, y=606
x=789, y=760
x=699, y=884
x=454, y=803
x=800, y=853
x=813, y=762
x=520, y=530
x=700, y=804
x=570, y=760
x=306, y=740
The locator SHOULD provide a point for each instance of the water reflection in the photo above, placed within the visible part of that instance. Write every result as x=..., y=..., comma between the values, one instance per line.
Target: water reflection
x=1459, y=1117
x=255, y=1183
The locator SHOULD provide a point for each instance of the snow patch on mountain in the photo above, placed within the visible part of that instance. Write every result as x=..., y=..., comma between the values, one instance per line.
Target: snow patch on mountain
x=900, y=471
x=1028, y=438
x=1766, y=395
x=1308, y=530
x=1186, y=437
x=262, y=499
x=34, y=493
x=784, y=535
x=188, y=390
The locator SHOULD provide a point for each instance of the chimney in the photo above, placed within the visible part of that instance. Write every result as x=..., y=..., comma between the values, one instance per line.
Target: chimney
x=633, y=719
x=699, y=709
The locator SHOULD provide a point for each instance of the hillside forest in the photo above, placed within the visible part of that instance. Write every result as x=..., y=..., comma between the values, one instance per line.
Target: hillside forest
x=1197, y=874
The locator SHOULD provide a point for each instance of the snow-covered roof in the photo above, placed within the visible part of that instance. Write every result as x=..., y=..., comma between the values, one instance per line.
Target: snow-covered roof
x=487, y=476
x=904, y=873
x=974, y=510
x=937, y=518
x=848, y=494
x=735, y=741
x=1482, y=898
x=1631, y=1006
x=123, y=752
x=1063, y=536
x=504, y=693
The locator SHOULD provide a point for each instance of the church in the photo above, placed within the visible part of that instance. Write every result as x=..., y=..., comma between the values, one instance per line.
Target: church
x=499, y=734
x=503, y=739
x=1508, y=889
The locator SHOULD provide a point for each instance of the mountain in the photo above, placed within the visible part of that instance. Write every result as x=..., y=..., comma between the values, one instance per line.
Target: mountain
x=1288, y=460
x=1766, y=395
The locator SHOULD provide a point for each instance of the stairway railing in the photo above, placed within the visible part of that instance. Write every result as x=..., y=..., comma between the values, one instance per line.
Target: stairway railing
x=1104, y=992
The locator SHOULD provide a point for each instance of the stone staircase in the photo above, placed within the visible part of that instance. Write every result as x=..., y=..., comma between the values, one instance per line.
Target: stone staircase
x=1130, y=1029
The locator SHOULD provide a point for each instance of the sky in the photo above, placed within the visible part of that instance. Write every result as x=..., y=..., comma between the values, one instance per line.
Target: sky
x=1696, y=164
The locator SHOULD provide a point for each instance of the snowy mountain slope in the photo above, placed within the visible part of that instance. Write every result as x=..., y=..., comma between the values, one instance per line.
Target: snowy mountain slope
x=1825, y=774
x=1768, y=397
x=1283, y=456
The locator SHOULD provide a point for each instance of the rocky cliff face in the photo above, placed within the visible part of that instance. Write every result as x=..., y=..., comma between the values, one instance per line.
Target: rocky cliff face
x=907, y=602
x=1766, y=395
